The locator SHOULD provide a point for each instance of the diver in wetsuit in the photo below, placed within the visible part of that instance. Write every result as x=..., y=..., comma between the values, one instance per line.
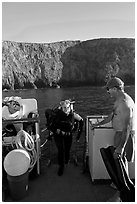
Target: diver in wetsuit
x=62, y=128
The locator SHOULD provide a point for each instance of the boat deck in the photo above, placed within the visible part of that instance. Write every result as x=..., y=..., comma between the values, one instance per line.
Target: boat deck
x=72, y=186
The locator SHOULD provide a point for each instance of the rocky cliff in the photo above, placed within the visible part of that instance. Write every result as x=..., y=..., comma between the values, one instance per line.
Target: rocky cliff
x=67, y=63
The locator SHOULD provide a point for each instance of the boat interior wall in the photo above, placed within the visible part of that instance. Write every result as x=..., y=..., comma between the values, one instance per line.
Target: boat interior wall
x=96, y=139
x=29, y=106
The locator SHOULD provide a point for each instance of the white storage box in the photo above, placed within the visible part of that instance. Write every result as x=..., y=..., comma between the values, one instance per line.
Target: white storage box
x=96, y=139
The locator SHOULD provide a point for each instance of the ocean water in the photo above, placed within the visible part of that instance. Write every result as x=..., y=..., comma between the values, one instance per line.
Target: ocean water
x=88, y=100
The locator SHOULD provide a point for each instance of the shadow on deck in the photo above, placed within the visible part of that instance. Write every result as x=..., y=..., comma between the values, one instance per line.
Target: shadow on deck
x=72, y=186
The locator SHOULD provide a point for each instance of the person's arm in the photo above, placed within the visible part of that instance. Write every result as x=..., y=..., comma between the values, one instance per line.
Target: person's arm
x=106, y=120
x=80, y=121
x=125, y=118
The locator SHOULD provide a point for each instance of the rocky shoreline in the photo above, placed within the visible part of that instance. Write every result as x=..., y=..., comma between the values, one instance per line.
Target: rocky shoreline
x=66, y=63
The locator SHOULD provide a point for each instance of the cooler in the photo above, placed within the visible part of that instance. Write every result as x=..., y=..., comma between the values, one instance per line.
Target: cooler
x=97, y=138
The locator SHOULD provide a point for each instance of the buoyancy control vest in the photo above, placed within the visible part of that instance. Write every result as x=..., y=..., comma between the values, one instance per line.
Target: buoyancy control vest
x=57, y=119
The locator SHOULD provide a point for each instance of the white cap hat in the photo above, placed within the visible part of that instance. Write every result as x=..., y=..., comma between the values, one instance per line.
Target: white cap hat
x=12, y=98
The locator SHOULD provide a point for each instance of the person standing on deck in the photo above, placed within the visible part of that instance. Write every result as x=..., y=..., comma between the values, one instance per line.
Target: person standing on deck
x=63, y=128
x=123, y=121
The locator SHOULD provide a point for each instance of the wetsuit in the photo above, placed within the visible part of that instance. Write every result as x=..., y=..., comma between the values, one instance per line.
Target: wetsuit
x=63, y=128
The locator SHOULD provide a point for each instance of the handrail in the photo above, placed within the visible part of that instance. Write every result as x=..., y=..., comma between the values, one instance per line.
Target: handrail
x=35, y=119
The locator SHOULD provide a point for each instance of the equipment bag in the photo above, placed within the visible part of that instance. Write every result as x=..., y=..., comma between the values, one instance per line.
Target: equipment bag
x=117, y=171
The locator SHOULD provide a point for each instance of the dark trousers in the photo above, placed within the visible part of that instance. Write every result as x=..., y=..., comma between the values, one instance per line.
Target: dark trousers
x=63, y=144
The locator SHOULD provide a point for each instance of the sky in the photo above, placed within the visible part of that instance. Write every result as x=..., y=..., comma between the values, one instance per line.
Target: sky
x=46, y=22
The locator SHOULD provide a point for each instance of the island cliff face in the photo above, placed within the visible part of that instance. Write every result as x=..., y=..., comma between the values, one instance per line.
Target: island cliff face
x=67, y=63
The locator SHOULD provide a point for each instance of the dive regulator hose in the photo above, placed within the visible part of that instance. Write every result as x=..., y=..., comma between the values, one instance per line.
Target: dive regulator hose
x=26, y=142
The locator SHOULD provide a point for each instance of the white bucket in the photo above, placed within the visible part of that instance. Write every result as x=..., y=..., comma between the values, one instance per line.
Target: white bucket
x=17, y=162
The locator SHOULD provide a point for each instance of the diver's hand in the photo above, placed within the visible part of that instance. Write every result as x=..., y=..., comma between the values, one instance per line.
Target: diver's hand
x=58, y=131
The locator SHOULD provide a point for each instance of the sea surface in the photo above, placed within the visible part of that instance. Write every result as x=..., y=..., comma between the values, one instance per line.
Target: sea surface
x=88, y=100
